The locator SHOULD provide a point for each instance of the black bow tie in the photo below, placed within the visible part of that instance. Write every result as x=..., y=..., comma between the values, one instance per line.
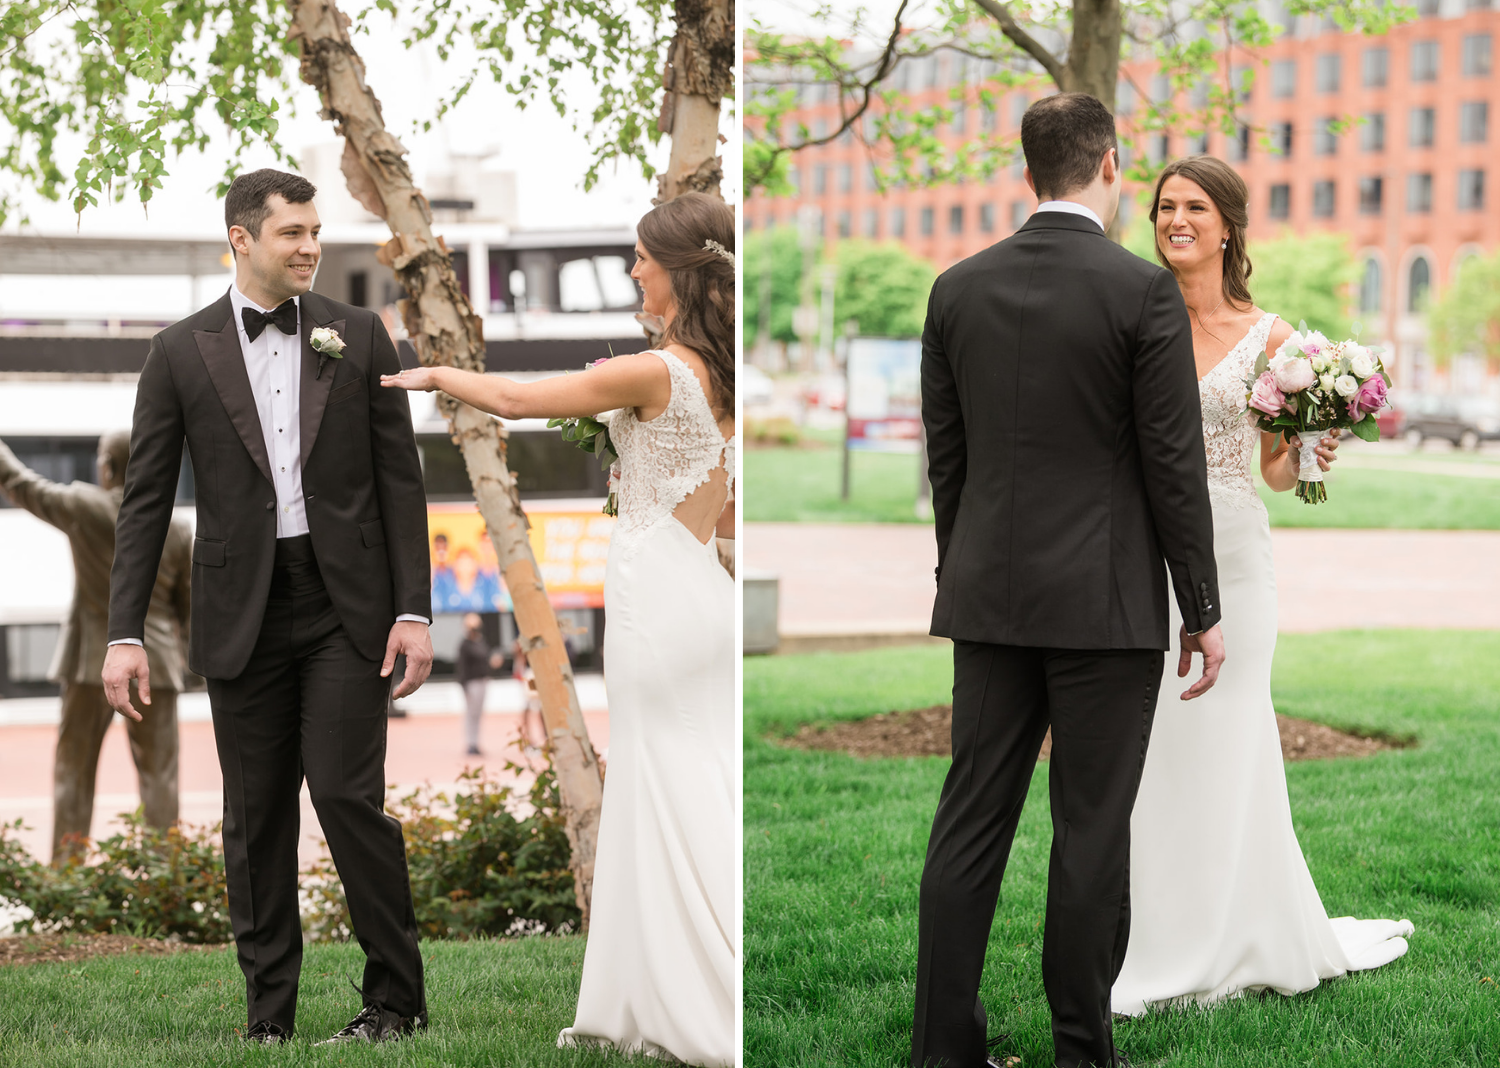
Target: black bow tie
x=283, y=318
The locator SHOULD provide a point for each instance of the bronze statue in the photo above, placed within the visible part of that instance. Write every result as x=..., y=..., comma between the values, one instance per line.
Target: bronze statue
x=86, y=514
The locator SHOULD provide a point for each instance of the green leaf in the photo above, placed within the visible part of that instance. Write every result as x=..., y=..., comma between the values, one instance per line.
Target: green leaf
x=1366, y=429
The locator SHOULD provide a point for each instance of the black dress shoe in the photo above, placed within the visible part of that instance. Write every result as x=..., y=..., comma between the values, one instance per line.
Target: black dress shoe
x=375, y=1024
x=267, y=1034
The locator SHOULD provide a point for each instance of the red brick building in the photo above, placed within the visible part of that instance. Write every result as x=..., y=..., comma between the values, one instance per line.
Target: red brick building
x=1413, y=185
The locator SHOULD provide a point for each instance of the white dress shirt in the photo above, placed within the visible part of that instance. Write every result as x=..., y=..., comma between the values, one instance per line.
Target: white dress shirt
x=274, y=363
x=1072, y=208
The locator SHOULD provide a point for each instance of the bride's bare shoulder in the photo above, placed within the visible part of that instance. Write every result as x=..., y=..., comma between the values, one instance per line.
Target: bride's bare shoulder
x=1280, y=331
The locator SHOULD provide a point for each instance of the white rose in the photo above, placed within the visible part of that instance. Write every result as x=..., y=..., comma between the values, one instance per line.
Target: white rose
x=325, y=340
x=1347, y=386
x=1361, y=364
x=1325, y=383
x=1319, y=364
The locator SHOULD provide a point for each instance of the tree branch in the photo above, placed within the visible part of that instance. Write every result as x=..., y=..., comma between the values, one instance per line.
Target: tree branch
x=1027, y=43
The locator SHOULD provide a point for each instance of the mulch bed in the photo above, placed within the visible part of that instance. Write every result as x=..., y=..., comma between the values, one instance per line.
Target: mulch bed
x=69, y=947
x=926, y=732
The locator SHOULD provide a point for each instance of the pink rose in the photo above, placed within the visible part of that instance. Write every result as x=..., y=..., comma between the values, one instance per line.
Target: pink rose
x=597, y=363
x=1368, y=399
x=1293, y=373
x=1265, y=397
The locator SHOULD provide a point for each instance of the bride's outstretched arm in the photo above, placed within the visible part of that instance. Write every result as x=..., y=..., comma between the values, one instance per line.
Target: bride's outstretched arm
x=637, y=381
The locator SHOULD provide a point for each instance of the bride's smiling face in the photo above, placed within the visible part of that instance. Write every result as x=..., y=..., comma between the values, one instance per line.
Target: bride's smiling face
x=655, y=282
x=1189, y=228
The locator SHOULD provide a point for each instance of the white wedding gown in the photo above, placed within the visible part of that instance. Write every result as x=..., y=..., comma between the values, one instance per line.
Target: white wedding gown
x=1221, y=897
x=662, y=956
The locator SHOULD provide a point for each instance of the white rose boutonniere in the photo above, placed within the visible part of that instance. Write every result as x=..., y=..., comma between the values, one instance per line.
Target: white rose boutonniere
x=326, y=342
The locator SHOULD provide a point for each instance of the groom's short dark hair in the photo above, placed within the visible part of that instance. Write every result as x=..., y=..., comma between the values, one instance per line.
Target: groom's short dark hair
x=245, y=203
x=1064, y=138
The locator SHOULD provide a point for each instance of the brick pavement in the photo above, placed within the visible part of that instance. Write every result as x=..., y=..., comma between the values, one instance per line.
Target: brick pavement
x=876, y=579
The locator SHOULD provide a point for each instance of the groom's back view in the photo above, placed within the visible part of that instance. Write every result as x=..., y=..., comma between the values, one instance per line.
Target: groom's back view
x=1066, y=459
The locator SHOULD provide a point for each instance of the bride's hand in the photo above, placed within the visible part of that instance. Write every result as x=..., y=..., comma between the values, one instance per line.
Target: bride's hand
x=1325, y=450
x=422, y=379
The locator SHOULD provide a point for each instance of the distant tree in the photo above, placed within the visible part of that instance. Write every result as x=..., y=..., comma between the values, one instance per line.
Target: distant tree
x=1306, y=278
x=1466, y=318
x=779, y=251
x=882, y=287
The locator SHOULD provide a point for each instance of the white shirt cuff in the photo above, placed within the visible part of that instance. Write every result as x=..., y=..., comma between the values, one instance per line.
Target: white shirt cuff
x=414, y=619
x=128, y=641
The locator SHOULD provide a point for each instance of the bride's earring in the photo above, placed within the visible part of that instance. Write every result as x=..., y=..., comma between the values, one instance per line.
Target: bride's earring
x=1224, y=243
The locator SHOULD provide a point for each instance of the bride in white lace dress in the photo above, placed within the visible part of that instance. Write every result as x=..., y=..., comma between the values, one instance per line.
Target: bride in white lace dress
x=662, y=957
x=1221, y=897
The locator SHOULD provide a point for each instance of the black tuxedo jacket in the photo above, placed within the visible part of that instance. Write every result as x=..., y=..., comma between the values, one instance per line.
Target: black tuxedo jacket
x=361, y=479
x=1065, y=445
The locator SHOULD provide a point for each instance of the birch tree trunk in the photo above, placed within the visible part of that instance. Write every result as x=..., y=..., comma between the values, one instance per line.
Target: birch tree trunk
x=445, y=332
x=698, y=76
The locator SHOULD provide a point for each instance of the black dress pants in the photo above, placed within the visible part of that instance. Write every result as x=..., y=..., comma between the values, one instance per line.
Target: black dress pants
x=309, y=704
x=1099, y=705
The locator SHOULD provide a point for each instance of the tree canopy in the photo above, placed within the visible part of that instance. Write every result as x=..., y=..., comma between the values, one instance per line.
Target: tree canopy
x=1465, y=320
x=1205, y=52
x=94, y=94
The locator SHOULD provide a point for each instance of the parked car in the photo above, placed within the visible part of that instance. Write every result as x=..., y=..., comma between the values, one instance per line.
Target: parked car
x=1465, y=421
x=755, y=385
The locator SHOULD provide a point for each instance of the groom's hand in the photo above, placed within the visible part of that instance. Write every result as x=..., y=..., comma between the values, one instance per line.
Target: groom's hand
x=408, y=638
x=121, y=664
x=1211, y=644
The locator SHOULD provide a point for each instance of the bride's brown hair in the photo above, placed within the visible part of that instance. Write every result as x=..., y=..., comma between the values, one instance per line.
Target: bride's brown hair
x=1230, y=195
x=677, y=235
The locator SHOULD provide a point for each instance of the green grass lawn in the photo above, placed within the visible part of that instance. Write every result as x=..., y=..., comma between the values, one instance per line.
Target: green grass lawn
x=802, y=485
x=834, y=847
x=490, y=1002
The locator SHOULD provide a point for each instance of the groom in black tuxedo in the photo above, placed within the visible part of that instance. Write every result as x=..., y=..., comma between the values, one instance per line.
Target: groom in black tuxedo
x=1065, y=450
x=310, y=577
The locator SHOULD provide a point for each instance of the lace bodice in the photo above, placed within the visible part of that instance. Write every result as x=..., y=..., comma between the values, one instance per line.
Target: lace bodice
x=1227, y=439
x=665, y=459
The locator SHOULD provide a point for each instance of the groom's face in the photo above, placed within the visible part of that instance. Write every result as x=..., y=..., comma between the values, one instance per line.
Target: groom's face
x=280, y=261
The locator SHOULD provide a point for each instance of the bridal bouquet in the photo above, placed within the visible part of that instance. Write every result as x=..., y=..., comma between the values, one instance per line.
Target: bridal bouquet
x=1313, y=385
x=592, y=437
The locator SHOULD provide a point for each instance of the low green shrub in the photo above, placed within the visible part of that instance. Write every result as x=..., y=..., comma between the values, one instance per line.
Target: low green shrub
x=477, y=867
x=144, y=881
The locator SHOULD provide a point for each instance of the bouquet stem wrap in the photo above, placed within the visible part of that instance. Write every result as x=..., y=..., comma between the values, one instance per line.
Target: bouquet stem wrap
x=1310, y=486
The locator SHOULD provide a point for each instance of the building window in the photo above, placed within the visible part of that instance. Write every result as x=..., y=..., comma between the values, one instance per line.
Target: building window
x=1478, y=5
x=1124, y=98
x=794, y=179
x=1418, y=285
x=1281, y=201
x=1371, y=195
x=926, y=222
x=1326, y=139
x=845, y=227
x=1284, y=78
x=1281, y=138
x=898, y=222
x=1423, y=127
x=872, y=178
x=1471, y=190
x=1323, y=199
x=1418, y=193
x=1018, y=105
x=956, y=219
x=1197, y=144
x=1474, y=122
x=1476, y=55
x=820, y=180
x=1372, y=132
x=1370, y=284
x=1424, y=61
x=846, y=178
x=986, y=218
x=1330, y=69
x=1019, y=210
x=872, y=223
x=1376, y=67
x=1238, y=146
x=1428, y=9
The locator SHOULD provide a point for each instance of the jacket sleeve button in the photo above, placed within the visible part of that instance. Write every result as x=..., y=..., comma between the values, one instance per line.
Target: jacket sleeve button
x=270, y=505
